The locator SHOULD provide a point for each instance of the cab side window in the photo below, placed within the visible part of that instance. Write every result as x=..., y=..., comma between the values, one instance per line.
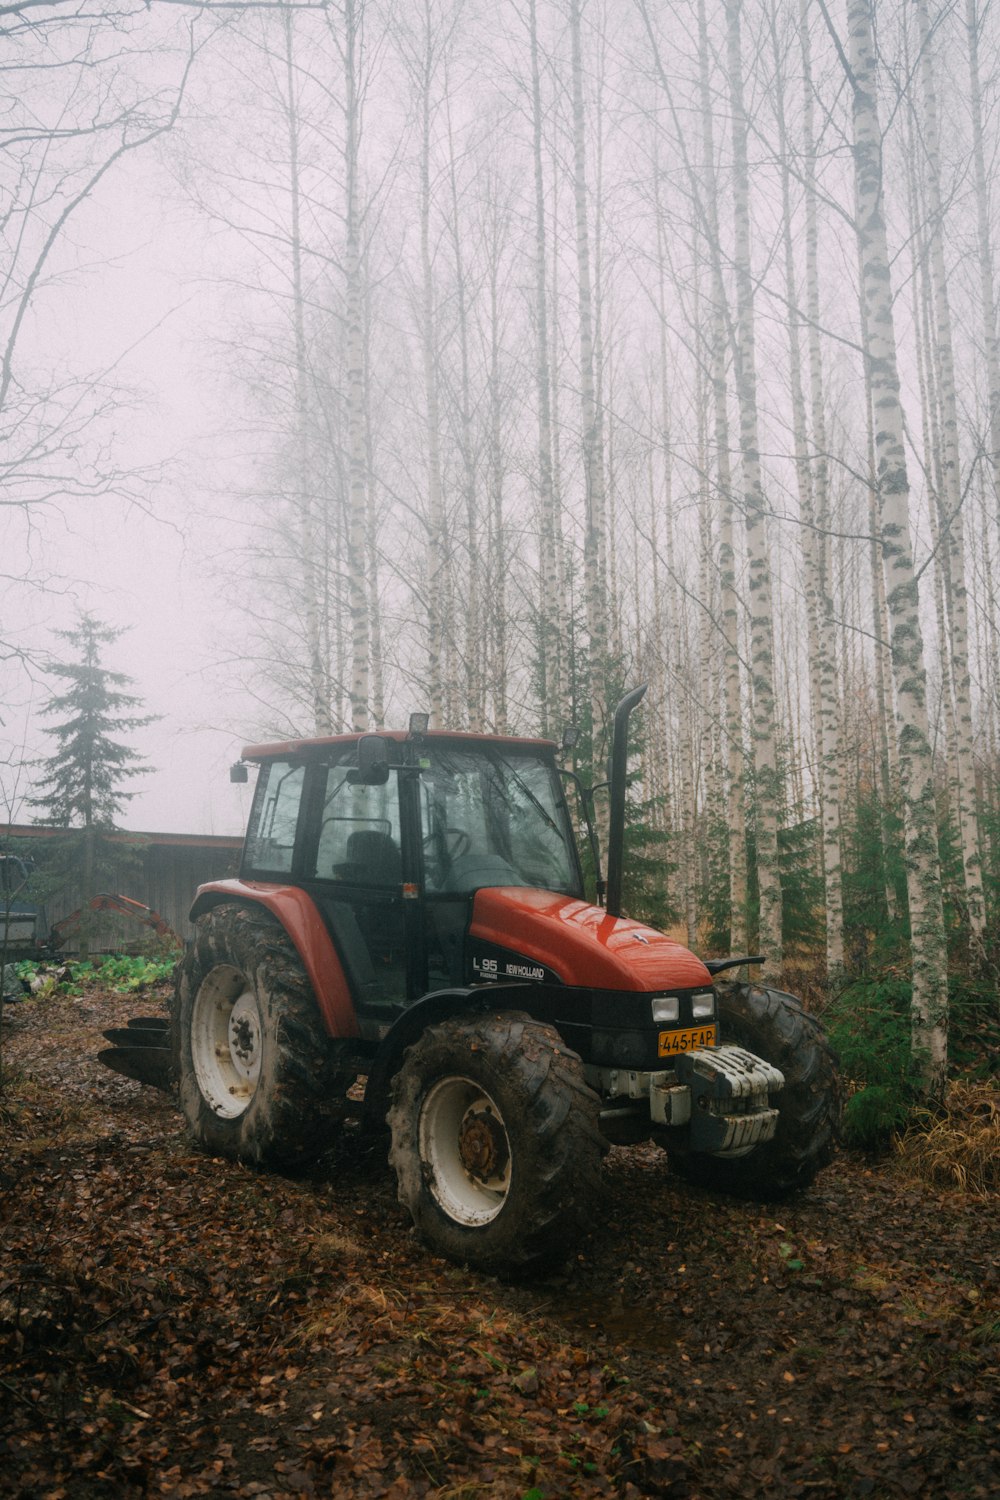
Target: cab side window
x=270, y=842
x=359, y=834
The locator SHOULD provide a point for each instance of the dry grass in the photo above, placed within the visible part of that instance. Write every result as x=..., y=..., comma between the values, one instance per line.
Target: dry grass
x=334, y=1245
x=960, y=1148
x=331, y=1322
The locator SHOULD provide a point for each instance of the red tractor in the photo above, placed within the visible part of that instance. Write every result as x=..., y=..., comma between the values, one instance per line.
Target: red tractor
x=410, y=912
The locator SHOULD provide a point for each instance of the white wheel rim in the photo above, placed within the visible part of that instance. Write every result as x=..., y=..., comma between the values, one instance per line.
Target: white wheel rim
x=465, y=1151
x=226, y=1041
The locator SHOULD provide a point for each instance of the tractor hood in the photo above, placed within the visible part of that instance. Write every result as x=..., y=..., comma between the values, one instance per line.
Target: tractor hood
x=582, y=944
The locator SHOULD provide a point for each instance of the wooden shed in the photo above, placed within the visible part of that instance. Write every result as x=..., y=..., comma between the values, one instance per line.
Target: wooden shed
x=161, y=870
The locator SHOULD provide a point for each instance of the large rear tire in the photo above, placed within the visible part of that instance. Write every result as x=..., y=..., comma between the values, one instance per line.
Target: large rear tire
x=254, y=1065
x=495, y=1142
x=774, y=1026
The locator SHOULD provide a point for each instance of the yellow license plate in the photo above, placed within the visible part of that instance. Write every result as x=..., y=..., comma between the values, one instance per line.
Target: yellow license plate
x=672, y=1042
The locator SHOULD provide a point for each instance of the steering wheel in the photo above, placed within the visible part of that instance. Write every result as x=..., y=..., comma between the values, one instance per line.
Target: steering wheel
x=455, y=842
x=442, y=846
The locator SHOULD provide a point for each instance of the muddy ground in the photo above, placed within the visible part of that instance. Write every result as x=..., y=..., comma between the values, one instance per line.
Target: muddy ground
x=174, y=1325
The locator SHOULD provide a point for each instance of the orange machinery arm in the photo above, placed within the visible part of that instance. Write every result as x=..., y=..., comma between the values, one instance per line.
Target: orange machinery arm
x=125, y=906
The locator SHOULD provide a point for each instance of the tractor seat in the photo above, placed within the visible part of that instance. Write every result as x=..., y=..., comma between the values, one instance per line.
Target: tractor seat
x=372, y=859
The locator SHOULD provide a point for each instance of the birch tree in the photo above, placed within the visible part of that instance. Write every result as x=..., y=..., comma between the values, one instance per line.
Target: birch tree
x=923, y=876
x=592, y=448
x=952, y=495
x=811, y=480
x=830, y=745
x=974, y=16
x=305, y=500
x=425, y=52
x=729, y=598
x=766, y=775
x=349, y=43
x=550, y=645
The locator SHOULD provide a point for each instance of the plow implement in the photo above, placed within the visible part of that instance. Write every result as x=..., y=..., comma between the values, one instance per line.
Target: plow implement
x=141, y=1050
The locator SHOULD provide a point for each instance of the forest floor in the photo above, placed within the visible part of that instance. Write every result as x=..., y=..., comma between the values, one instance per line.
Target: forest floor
x=175, y=1325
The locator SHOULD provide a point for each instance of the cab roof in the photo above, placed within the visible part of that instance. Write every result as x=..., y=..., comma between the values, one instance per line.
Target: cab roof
x=458, y=738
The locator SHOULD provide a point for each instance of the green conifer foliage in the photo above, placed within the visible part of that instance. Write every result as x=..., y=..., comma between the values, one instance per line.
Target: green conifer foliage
x=81, y=786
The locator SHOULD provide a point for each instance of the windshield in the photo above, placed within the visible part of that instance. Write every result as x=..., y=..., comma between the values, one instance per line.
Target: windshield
x=490, y=817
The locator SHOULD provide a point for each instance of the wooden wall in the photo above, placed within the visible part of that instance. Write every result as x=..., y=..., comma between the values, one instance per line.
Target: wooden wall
x=163, y=871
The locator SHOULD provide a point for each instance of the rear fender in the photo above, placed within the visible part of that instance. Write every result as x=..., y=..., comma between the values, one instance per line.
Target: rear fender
x=437, y=1006
x=299, y=916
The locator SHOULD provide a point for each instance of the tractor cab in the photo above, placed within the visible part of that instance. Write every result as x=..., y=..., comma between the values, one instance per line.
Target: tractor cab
x=393, y=837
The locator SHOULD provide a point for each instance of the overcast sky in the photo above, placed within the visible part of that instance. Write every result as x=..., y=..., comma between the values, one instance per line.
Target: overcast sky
x=146, y=308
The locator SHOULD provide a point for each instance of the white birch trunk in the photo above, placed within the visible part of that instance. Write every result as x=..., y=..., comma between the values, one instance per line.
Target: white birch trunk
x=371, y=530
x=930, y=978
x=498, y=559
x=474, y=654
x=728, y=595
x=595, y=601
x=563, y=590
x=881, y=630
x=436, y=563
x=549, y=581
x=823, y=678
x=357, y=526
x=953, y=500
x=760, y=602
x=987, y=284
x=319, y=687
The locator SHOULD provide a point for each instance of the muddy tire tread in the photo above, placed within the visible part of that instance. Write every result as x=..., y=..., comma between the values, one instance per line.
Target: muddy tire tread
x=293, y=1114
x=558, y=1163
x=775, y=1026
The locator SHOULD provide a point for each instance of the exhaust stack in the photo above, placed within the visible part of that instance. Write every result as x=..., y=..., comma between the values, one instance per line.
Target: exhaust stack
x=617, y=777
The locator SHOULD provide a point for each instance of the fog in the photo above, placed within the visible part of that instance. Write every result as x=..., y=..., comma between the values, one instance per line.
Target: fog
x=132, y=295
x=462, y=555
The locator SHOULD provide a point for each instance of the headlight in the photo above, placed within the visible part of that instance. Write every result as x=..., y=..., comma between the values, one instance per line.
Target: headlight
x=666, y=1009
x=703, y=1006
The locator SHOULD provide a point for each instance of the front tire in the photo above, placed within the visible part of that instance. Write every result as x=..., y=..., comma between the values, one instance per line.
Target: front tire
x=775, y=1027
x=495, y=1142
x=253, y=1062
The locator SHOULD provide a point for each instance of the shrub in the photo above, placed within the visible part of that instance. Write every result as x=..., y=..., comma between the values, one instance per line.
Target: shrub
x=869, y=1028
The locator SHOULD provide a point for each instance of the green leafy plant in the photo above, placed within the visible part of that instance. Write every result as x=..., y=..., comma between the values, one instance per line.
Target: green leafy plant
x=123, y=974
x=869, y=1027
x=792, y=1261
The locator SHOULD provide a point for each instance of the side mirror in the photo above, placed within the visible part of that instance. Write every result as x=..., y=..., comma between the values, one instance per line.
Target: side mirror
x=373, y=761
x=239, y=772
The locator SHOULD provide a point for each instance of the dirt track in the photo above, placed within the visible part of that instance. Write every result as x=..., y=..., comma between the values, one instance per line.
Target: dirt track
x=176, y=1325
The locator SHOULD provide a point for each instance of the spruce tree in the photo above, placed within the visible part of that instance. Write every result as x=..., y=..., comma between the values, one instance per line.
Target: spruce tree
x=81, y=787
